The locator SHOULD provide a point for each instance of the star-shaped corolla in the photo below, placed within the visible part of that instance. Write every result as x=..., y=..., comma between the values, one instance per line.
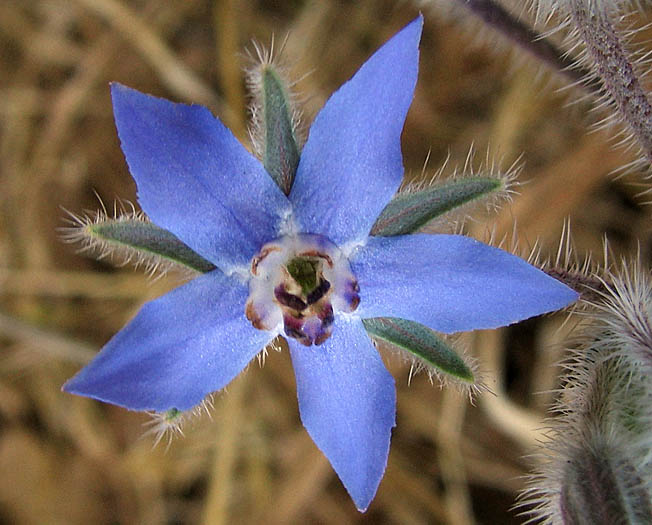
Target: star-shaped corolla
x=303, y=266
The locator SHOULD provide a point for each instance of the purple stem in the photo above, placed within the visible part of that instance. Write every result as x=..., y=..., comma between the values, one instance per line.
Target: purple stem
x=614, y=68
x=527, y=39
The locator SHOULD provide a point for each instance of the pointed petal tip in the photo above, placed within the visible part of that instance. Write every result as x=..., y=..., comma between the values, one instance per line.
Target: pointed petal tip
x=195, y=179
x=123, y=93
x=131, y=100
x=75, y=386
x=571, y=295
x=119, y=91
x=416, y=24
x=410, y=35
x=411, y=32
x=553, y=294
x=347, y=403
x=455, y=283
x=114, y=85
x=170, y=356
x=563, y=296
x=357, y=148
x=66, y=387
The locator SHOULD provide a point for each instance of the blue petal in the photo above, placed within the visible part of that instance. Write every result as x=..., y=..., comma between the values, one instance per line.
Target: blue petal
x=351, y=165
x=451, y=283
x=195, y=179
x=347, y=402
x=177, y=350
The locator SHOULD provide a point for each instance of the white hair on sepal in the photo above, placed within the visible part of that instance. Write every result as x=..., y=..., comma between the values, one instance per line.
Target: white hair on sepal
x=491, y=168
x=435, y=376
x=276, y=345
x=79, y=230
x=260, y=59
x=169, y=425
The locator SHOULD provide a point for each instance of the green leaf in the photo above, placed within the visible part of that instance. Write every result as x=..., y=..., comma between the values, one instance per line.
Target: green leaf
x=408, y=212
x=281, y=153
x=421, y=342
x=136, y=237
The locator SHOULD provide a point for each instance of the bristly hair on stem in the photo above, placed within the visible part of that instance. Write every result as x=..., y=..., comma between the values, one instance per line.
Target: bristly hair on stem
x=596, y=465
x=625, y=309
x=606, y=52
x=516, y=33
x=600, y=35
x=545, y=10
x=587, y=277
x=596, y=54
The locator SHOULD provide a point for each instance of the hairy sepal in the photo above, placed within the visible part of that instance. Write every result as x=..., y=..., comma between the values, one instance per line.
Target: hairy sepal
x=408, y=212
x=132, y=238
x=422, y=343
x=281, y=156
x=275, y=123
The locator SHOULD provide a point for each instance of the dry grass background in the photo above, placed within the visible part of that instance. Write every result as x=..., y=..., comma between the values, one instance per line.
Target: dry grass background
x=67, y=460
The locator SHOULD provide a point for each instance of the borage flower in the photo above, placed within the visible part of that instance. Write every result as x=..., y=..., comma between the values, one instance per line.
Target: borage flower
x=303, y=266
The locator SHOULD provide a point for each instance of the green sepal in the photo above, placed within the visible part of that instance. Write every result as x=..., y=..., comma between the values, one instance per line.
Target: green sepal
x=281, y=153
x=172, y=415
x=146, y=239
x=408, y=212
x=420, y=341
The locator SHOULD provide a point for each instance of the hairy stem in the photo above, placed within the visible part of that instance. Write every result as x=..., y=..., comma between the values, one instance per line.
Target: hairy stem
x=527, y=39
x=606, y=50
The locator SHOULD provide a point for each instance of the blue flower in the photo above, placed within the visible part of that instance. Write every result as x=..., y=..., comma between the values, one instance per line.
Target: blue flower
x=303, y=265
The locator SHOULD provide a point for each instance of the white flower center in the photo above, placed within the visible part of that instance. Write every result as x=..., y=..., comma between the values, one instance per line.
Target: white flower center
x=299, y=282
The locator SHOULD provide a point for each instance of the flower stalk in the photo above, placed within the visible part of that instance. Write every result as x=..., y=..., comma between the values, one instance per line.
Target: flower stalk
x=606, y=52
x=497, y=17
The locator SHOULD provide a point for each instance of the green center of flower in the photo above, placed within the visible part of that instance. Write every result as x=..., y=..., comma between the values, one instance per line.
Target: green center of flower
x=297, y=285
x=305, y=272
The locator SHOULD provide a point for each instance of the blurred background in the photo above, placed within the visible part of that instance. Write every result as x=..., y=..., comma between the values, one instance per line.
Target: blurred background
x=67, y=460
